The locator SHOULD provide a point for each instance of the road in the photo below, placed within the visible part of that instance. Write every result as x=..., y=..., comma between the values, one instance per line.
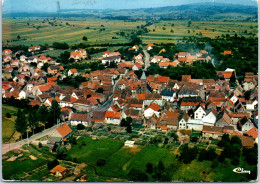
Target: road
x=8, y=147
x=109, y=101
x=147, y=59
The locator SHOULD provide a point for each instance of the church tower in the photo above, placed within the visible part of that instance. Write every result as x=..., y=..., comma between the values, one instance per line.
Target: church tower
x=143, y=84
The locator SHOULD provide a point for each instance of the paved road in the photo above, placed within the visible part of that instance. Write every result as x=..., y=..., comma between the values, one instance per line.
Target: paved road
x=109, y=101
x=147, y=59
x=8, y=147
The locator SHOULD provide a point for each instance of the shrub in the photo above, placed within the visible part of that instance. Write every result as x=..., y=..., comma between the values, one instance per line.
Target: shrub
x=8, y=115
x=101, y=162
x=80, y=127
x=40, y=145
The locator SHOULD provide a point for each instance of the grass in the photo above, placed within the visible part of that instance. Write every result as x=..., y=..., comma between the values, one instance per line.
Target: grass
x=94, y=149
x=192, y=172
x=73, y=34
x=8, y=128
x=17, y=169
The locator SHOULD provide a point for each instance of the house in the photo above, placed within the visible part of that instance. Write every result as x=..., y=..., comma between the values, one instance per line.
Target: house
x=129, y=143
x=253, y=132
x=106, y=54
x=199, y=113
x=34, y=48
x=212, y=131
x=110, y=59
x=113, y=117
x=151, y=109
x=210, y=117
x=76, y=119
x=156, y=59
x=167, y=64
x=223, y=119
x=62, y=131
x=149, y=46
x=59, y=171
x=227, y=52
x=7, y=52
x=98, y=117
x=72, y=72
x=54, y=69
x=139, y=56
x=244, y=124
x=182, y=121
x=168, y=94
x=78, y=54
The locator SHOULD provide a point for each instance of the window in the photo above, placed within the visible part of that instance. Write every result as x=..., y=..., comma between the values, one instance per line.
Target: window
x=196, y=117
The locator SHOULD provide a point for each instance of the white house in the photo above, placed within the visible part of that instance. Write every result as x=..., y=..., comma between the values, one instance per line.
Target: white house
x=251, y=105
x=195, y=124
x=168, y=94
x=73, y=72
x=113, y=117
x=22, y=95
x=152, y=109
x=129, y=143
x=210, y=117
x=199, y=113
x=76, y=119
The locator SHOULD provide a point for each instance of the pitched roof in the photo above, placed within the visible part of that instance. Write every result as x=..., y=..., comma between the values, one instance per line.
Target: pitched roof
x=64, y=130
x=79, y=117
x=167, y=92
x=143, y=76
x=247, y=141
x=59, y=169
x=212, y=129
x=154, y=106
x=253, y=132
x=98, y=116
x=113, y=115
x=73, y=70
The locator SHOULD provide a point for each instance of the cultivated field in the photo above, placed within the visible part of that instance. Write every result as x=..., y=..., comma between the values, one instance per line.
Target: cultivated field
x=33, y=31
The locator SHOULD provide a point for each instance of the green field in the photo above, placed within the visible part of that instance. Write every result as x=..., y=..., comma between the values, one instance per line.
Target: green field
x=8, y=123
x=160, y=31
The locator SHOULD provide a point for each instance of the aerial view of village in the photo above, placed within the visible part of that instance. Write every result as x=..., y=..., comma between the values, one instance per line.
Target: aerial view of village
x=130, y=91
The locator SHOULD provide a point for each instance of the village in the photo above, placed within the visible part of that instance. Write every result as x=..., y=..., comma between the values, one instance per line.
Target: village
x=116, y=103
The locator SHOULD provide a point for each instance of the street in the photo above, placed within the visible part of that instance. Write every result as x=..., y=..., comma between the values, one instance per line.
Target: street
x=8, y=147
x=147, y=59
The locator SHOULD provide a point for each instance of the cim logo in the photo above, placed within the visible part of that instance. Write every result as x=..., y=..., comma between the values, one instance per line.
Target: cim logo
x=241, y=170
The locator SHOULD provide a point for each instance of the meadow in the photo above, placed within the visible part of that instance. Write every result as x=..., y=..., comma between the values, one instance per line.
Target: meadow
x=34, y=31
x=8, y=129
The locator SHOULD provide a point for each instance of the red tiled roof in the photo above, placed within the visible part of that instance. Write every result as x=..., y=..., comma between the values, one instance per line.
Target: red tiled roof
x=227, y=52
x=58, y=169
x=164, y=79
x=64, y=130
x=154, y=106
x=113, y=115
x=253, y=132
x=79, y=117
x=73, y=70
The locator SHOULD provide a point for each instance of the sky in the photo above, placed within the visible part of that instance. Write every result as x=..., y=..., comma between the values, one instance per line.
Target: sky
x=51, y=5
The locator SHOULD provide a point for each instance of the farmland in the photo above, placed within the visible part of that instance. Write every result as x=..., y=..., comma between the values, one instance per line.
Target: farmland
x=34, y=31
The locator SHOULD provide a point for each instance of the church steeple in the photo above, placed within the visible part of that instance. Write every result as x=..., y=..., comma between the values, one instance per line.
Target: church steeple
x=143, y=83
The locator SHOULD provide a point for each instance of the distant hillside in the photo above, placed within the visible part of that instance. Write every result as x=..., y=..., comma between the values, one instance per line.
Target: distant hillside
x=200, y=11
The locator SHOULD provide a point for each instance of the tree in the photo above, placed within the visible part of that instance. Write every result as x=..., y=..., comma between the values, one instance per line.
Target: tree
x=8, y=115
x=54, y=112
x=160, y=166
x=166, y=140
x=52, y=164
x=137, y=175
x=171, y=30
x=84, y=38
x=149, y=168
x=40, y=145
x=129, y=129
x=60, y=151
x=43, y=114
x=45, y=67
x=101, y=162
x=18, y=37
x=21, y=122
x=99, y=90
x=80, y=126
x=33, y=120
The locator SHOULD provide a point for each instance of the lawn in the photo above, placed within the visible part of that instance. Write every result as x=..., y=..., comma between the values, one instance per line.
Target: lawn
x=8, y=128
x=94, y=149
x=153, y=155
